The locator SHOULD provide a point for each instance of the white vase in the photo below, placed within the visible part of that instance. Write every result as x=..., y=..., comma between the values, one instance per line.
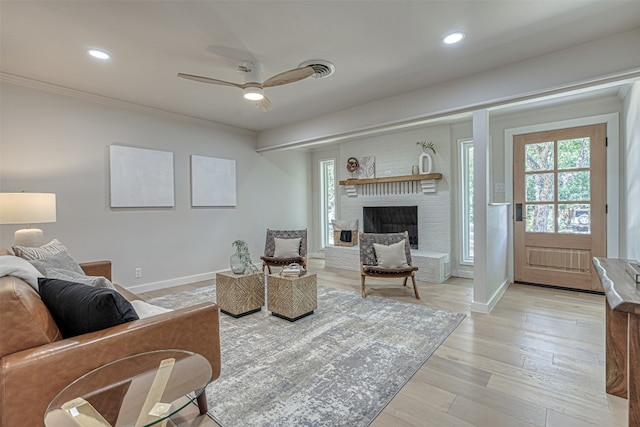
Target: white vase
x=425, y=163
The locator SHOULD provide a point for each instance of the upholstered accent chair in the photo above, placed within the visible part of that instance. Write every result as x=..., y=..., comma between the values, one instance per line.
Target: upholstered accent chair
x=387, y=259
x=284, y=247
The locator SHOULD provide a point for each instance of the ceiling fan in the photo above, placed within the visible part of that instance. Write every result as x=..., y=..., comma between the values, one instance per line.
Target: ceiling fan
x=253, y=85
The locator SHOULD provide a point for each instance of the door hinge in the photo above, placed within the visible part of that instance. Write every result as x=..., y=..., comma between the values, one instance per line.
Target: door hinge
x=606, y=142
x=606, y=209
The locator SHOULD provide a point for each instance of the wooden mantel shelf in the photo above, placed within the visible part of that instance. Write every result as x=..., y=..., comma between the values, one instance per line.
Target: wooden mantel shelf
x=403, y=178
x=388, y=185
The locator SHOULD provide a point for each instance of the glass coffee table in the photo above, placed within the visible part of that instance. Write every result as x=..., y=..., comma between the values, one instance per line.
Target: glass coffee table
x=141, y=390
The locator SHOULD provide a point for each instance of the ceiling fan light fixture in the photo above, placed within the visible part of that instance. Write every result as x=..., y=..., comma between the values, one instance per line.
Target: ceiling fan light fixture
x=253, y=93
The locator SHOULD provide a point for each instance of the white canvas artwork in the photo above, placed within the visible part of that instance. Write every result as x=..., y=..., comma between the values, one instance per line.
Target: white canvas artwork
x=213, y=181
x=140, y=177
x=367, y=167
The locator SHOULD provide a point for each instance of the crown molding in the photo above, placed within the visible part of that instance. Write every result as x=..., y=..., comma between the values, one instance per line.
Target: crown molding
x=117, y=103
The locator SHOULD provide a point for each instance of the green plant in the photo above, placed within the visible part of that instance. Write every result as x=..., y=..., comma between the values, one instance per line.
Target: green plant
x=242, y=249
x=427, y=146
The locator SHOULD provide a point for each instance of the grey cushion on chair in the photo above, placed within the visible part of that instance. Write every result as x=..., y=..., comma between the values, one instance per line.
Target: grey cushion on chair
x=270, y=244
x=367, y=253
x=269, y=257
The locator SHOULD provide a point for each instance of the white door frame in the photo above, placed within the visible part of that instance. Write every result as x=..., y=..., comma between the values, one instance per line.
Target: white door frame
x=613, y=174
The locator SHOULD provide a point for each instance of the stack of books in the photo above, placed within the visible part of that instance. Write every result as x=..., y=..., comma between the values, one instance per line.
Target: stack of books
x=291, y=272
x=633, y=268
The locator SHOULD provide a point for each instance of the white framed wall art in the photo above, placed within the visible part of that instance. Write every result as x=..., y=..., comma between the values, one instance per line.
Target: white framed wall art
x=213, y=181
x=140, y=177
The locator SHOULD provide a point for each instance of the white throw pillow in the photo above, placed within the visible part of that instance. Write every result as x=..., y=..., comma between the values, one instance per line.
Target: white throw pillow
x=144, y=309
x=287, y=248
x=344, y=225
x=15, y=266
x=392, y=256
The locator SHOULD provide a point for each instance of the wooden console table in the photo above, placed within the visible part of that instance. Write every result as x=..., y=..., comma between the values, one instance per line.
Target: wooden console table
x=622, y=333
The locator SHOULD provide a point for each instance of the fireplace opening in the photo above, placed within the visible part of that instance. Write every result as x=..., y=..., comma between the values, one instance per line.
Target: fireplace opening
x=392, y=219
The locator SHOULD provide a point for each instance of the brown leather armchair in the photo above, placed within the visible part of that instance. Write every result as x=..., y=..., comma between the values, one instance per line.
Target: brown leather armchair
x=35, y=363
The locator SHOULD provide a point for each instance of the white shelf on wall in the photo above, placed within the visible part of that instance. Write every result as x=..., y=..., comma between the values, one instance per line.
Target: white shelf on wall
x=390, y=185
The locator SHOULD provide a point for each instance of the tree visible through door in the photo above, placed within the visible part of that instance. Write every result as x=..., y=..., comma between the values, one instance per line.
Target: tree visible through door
x=560, y=206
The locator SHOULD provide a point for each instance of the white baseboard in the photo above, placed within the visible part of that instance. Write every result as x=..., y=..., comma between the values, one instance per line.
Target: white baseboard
x=319, y=255
x=154, y=286
x=178, y=281
x=465, y=274
x=485, y=308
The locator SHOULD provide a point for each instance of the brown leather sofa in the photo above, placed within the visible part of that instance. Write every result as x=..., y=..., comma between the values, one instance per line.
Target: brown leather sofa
x=36, y=363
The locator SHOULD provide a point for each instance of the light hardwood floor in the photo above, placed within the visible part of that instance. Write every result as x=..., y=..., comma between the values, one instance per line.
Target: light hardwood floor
x=536, y=360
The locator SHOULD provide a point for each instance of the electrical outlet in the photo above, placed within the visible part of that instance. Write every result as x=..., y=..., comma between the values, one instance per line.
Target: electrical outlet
x=138, y=272
x=387, y=172
x=499, y=187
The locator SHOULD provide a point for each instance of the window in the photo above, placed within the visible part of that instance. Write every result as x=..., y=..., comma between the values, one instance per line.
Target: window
x=327, y=200
x=466, y=179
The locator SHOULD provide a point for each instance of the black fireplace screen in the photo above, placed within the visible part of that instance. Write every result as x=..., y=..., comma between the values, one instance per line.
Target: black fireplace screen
x=392, y=219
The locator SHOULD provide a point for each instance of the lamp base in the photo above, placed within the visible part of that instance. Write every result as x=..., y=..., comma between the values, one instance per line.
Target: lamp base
x=30, y=237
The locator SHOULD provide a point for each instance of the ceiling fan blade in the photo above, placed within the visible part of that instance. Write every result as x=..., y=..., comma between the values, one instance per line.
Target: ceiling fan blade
x=264, y=104
x=209, y=80
x=289, y=77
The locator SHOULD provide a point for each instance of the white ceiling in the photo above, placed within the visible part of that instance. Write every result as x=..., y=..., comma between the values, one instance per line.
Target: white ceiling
x=380, y=48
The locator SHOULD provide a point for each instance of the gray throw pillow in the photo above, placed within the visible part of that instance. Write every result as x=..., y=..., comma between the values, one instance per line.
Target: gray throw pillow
x=44, y=251
x=72, y=276
x=60, y=260
x=287, y=248
x=391, y=256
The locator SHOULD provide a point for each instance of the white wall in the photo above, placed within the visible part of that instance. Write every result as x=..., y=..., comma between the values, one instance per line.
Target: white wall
x=395, y=154
x=630, y=155
x=51, y=142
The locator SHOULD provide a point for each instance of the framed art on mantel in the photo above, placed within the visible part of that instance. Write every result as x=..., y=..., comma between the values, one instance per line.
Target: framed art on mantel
x=213, y=181
x=140, y=177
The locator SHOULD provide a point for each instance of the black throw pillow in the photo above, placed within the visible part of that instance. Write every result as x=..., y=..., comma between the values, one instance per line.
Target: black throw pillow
x=78, y=308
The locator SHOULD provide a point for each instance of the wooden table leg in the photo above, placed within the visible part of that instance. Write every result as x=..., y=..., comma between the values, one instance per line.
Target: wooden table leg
x=202, y=402
x=616, y=351
x=634, y=370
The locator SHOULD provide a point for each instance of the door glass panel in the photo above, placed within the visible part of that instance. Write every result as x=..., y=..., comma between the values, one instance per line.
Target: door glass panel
x=574, y=218
x=574, y=186
x=539, y=157
x=574, y=153
x=540, y=219
x=539, y=187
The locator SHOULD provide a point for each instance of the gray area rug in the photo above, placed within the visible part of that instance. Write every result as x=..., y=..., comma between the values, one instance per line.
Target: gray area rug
x=338, y=367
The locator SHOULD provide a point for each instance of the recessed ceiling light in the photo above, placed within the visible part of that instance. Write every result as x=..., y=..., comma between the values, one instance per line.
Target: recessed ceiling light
x=453, y=38
x=99, y=54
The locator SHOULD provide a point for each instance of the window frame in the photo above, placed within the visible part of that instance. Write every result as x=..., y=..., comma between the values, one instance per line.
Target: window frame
x=466, y=202
x=325, y=221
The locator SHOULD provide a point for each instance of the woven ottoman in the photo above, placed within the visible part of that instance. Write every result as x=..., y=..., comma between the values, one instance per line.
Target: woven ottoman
x=292, y=298
x=239, y=294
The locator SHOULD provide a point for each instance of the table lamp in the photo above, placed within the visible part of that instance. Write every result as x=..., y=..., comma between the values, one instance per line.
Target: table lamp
x=27, y=208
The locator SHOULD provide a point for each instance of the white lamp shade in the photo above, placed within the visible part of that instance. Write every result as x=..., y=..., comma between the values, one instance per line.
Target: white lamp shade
x=27, y=208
